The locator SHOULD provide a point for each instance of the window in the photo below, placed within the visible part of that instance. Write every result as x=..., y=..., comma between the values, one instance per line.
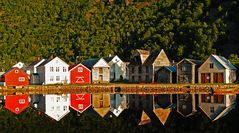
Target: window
x=147, y=78
x=64, y=69
x=140, y=69
x=184, y=68
x=57, y=78
x=132, y=78
x=139, y=79
x=16, y=71
x=52, y=108
x=58, y=99
x=21, y=79
x=64, y=108
x=21, y=101
x=147, y=69
x=51, y=69
x=17, y=109
x=80, y=69
x=57, y=69
x=58, y=108
x=132, y=69
x=51, y=78
x=80, y=106
x=212, y=109
x=211, y=65
x=100, y=70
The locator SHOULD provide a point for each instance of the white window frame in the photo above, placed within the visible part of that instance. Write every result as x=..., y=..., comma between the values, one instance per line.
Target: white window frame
x=80, y=69
x=57, y=69
x=21, y=101
x=58, y=99
x=51, y=69
x=64, y=69
x=80, y=106
x=64, y=108
x=16, y=71
x=58, y=78
x=21, y=79
x=51, y=78
x=211, y=65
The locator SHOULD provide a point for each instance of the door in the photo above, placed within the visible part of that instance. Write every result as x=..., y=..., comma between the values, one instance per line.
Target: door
x=100, y=78
x=205, y=78
x=217, y=77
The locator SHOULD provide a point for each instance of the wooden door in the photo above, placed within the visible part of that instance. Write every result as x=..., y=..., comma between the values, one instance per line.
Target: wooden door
x=205, y=78
x=100, y=77
x=100, y=70
x=217, y=77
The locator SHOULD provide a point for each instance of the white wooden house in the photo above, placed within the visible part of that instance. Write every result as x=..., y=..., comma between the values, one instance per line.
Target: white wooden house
x=53, y=71
x=19, y=65
x=117, y=68
x=100, y=70
x=216, y=69
x=54, y=106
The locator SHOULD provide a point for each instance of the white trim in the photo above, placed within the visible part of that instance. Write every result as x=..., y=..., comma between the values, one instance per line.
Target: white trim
x=78, y=65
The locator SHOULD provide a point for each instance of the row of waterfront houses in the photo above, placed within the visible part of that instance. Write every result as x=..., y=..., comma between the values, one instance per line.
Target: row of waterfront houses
x=148, y=67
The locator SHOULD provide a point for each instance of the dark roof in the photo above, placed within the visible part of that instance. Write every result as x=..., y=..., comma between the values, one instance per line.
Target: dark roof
x=197, y=62
x=108, y=59
x=9, y=70
x=151, y=58
x=34, y=63
x=171, y=68
x=70, y=67
x=136, y=61
x=225, y=63
x=90, y=62
x=45, y=62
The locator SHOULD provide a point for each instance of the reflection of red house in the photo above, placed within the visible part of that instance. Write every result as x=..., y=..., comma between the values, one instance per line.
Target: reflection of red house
x=79, y=74
x=17, y=103
x=15, y=77
x=80, y=102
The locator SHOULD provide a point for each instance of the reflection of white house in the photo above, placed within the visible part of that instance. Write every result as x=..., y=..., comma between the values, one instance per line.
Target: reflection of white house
x=19, y=65
x=55, y=106
x=117, y=68
x=53, y=71
x=118, y=102
x=216, y=106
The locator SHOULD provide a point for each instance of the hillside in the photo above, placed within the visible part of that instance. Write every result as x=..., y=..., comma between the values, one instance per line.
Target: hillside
x=79, y=29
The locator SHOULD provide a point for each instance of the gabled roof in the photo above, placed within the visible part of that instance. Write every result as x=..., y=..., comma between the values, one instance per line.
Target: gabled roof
x=153, y=55
x=89, y=63
x=162, y=114
x=13, y=68
x=76, y=65
x=145, y=119
x=45, y=62
x=225, y=111
x=35, y=63
x=108, y=59
x=192, y=61
x=102, y=111
x=141, y=51
x=224, y=62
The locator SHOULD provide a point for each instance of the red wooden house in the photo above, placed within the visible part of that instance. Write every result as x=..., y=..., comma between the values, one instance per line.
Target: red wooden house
x=80, y=102
x=15, y=77
x=79, y=74
x=17, y=103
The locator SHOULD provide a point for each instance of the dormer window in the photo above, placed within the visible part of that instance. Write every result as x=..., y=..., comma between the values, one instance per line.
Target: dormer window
x=211, y=65
x=80, y=69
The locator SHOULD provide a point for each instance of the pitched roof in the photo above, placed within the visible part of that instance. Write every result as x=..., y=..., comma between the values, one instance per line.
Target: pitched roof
x=151, y=58
x=90, y=62
x=171, y=68
x=225, y=111
x=192, y=61
x=141, y=51
x=162, y=114
x=34, y=63
x=145, y=119
x=45, y=62
x=108, y=59
x=224, y=62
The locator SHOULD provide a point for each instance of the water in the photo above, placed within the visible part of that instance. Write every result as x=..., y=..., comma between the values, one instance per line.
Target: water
x=70, y=113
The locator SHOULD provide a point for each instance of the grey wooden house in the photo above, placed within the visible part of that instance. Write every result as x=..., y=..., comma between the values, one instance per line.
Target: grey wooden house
x=145, y=64
x=186, y=104
x=118, y=102
x=187, y=70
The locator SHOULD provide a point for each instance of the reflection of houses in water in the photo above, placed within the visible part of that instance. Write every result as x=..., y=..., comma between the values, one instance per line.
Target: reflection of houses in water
x=55, y=106
x=186, y=104
x=119, y=102
x=216, y=106
x=80, y=102
x=157, y=107
x=101, y=103
x=17, y=103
